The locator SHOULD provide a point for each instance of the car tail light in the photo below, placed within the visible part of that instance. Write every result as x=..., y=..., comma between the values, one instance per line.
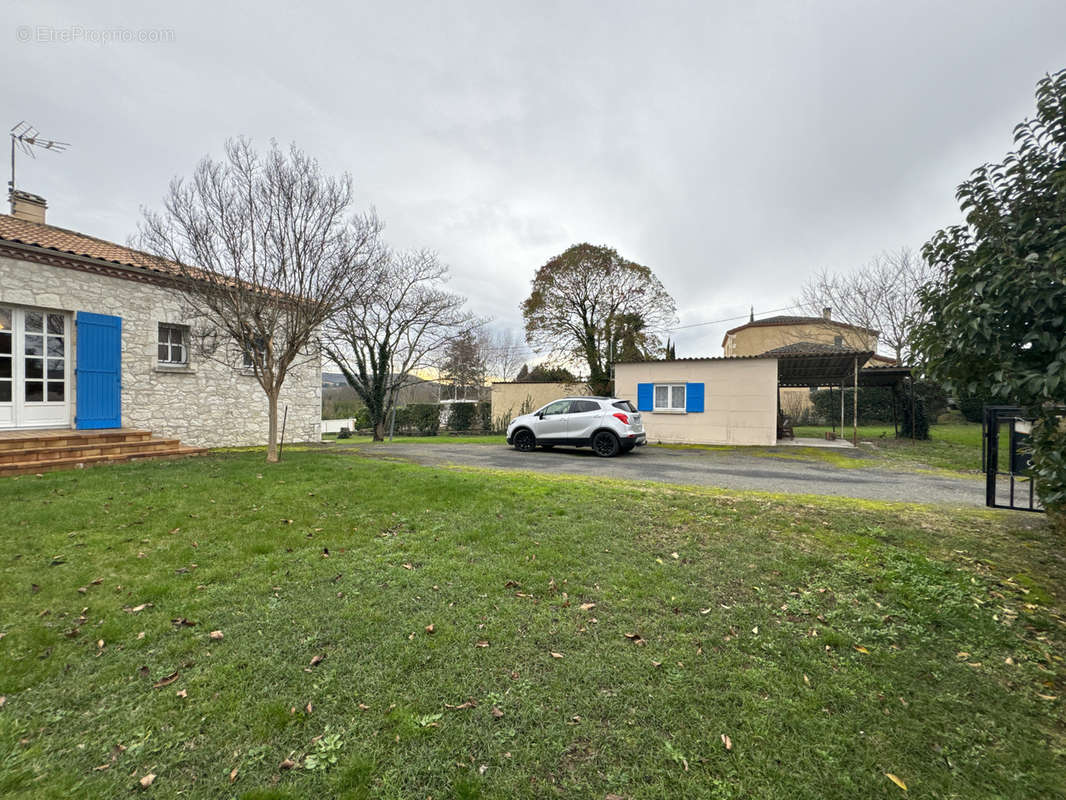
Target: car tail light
x=623, y=417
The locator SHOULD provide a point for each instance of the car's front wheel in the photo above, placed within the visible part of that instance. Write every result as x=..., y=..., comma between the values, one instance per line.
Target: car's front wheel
x=524, y=440
x=605, y=444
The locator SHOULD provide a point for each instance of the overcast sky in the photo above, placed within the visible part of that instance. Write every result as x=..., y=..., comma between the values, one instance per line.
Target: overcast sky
x=733, y=147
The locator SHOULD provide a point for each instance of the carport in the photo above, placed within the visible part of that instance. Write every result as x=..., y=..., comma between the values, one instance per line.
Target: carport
x=814, y=365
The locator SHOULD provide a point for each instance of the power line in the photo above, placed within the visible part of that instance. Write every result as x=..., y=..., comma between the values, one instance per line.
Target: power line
x=733, y=319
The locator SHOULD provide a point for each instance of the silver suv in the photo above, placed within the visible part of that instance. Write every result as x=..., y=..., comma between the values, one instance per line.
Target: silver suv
x=608, y=425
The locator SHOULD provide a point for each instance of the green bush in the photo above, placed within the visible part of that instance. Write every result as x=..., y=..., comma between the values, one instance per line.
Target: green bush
x=484, y=417
x=875, y=403
x=920, y=422
x=424, y=418
x=462, y=417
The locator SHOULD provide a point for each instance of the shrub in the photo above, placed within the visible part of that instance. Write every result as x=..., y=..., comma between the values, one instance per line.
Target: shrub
x=920, y=422
x=424, y=418
x=462, y=417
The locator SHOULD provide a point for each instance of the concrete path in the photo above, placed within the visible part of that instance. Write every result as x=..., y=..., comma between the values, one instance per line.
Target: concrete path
x=727, y=469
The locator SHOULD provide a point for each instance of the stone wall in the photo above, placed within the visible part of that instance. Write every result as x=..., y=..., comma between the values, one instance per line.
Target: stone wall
x=207, y=404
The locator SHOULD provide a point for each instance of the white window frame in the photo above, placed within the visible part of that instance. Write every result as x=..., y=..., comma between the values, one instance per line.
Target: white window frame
x=170, y=344
x=670, y=408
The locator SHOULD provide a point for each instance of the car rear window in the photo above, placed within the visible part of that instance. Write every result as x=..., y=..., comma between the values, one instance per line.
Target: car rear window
x=624, y=405
x=581, y=406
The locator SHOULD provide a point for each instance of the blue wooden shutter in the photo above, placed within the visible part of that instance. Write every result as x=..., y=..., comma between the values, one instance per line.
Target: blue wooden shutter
x=694, y=398
x=99, y=371
x=645, y=396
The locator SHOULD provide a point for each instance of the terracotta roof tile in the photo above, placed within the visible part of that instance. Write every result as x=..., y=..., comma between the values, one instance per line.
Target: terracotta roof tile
x=62, y=240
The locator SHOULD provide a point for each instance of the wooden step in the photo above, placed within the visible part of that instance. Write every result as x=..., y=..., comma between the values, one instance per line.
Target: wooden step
x=49, y=465
x=84, y=450
x=53, y=438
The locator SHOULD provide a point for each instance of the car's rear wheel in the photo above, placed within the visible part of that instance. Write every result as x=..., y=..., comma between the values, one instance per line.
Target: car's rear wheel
x=524, y=440
x=605, y=444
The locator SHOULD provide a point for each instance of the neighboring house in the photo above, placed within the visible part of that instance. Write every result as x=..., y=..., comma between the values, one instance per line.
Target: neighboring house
x=513, y=398
x=93, y=335
x=771, y=334
x=758, y=336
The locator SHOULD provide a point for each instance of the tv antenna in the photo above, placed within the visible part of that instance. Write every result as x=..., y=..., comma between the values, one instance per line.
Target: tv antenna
x=25, y=137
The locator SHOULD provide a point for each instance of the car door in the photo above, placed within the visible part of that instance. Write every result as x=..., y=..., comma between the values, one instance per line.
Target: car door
x=583, y=419
x=552, y=422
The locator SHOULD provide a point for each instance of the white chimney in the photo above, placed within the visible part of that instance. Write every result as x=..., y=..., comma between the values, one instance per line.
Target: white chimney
x=30, y=207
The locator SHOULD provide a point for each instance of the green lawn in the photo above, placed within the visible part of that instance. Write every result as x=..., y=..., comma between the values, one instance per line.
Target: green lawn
x=954, y=447
x=444, y=438
x=589, y=637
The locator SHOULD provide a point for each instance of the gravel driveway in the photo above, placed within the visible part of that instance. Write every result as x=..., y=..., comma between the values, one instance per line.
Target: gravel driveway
x=725, y=469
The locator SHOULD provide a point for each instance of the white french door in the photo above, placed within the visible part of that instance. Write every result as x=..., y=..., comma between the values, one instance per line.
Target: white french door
x=34, y=368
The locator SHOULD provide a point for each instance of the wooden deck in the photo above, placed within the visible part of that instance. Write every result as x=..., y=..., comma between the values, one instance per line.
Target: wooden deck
x=43, y=450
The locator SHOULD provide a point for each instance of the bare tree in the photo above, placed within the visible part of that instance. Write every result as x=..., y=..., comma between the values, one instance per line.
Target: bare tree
x=464, y=366
x=267, y=250
x=882, y=296
x=505, y=352
x=385, y=336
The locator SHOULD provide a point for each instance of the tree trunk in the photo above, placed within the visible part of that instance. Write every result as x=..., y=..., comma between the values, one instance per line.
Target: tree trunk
x=272, y=435
x=379, y=431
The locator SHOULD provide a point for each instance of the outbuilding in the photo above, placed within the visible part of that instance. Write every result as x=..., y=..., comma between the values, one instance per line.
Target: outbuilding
x=731, y=400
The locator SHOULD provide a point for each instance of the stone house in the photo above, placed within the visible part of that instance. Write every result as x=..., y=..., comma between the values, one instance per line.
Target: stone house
x=769, y=335
x=93, y=336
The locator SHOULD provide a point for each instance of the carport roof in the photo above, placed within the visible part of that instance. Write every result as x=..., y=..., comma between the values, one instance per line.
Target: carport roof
x=806, y=364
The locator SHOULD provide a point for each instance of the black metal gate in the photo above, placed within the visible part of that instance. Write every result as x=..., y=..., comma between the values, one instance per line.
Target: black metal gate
x=1006, y=459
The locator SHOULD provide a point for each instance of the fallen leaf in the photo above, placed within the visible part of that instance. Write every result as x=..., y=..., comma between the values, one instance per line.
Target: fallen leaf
x=140, y=635
x=147, y=780
x=1047, y=696
x=100, y=643
x=806, y=680
x=556, y=655
x=430, y=628
x=727, y=742
x=216, y=635
x=169, y=679
x=587, y=606
x=482, y=643
x=471, y=703
x=97, y=582
x=408, y=566
x=182, y=622
x=233, y=775
x=318, y=659
x=364, y=707
x=286, y=522
x=309, y=708
x=101, y=767
x=3, y=700
x=610, y=796
x=705, y=611
x=896, y=781
x=862, y=649
x=183, y=693
x=135, y=609
x=82, y=589
x=288, y=763
x=755, y=630
x=656, y=663
x=496, y=712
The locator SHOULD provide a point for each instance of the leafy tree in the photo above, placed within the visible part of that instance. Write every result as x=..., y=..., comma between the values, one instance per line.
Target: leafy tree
x=580, y=299
x=670, y=353
x=997, y=309
x=548, y=374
